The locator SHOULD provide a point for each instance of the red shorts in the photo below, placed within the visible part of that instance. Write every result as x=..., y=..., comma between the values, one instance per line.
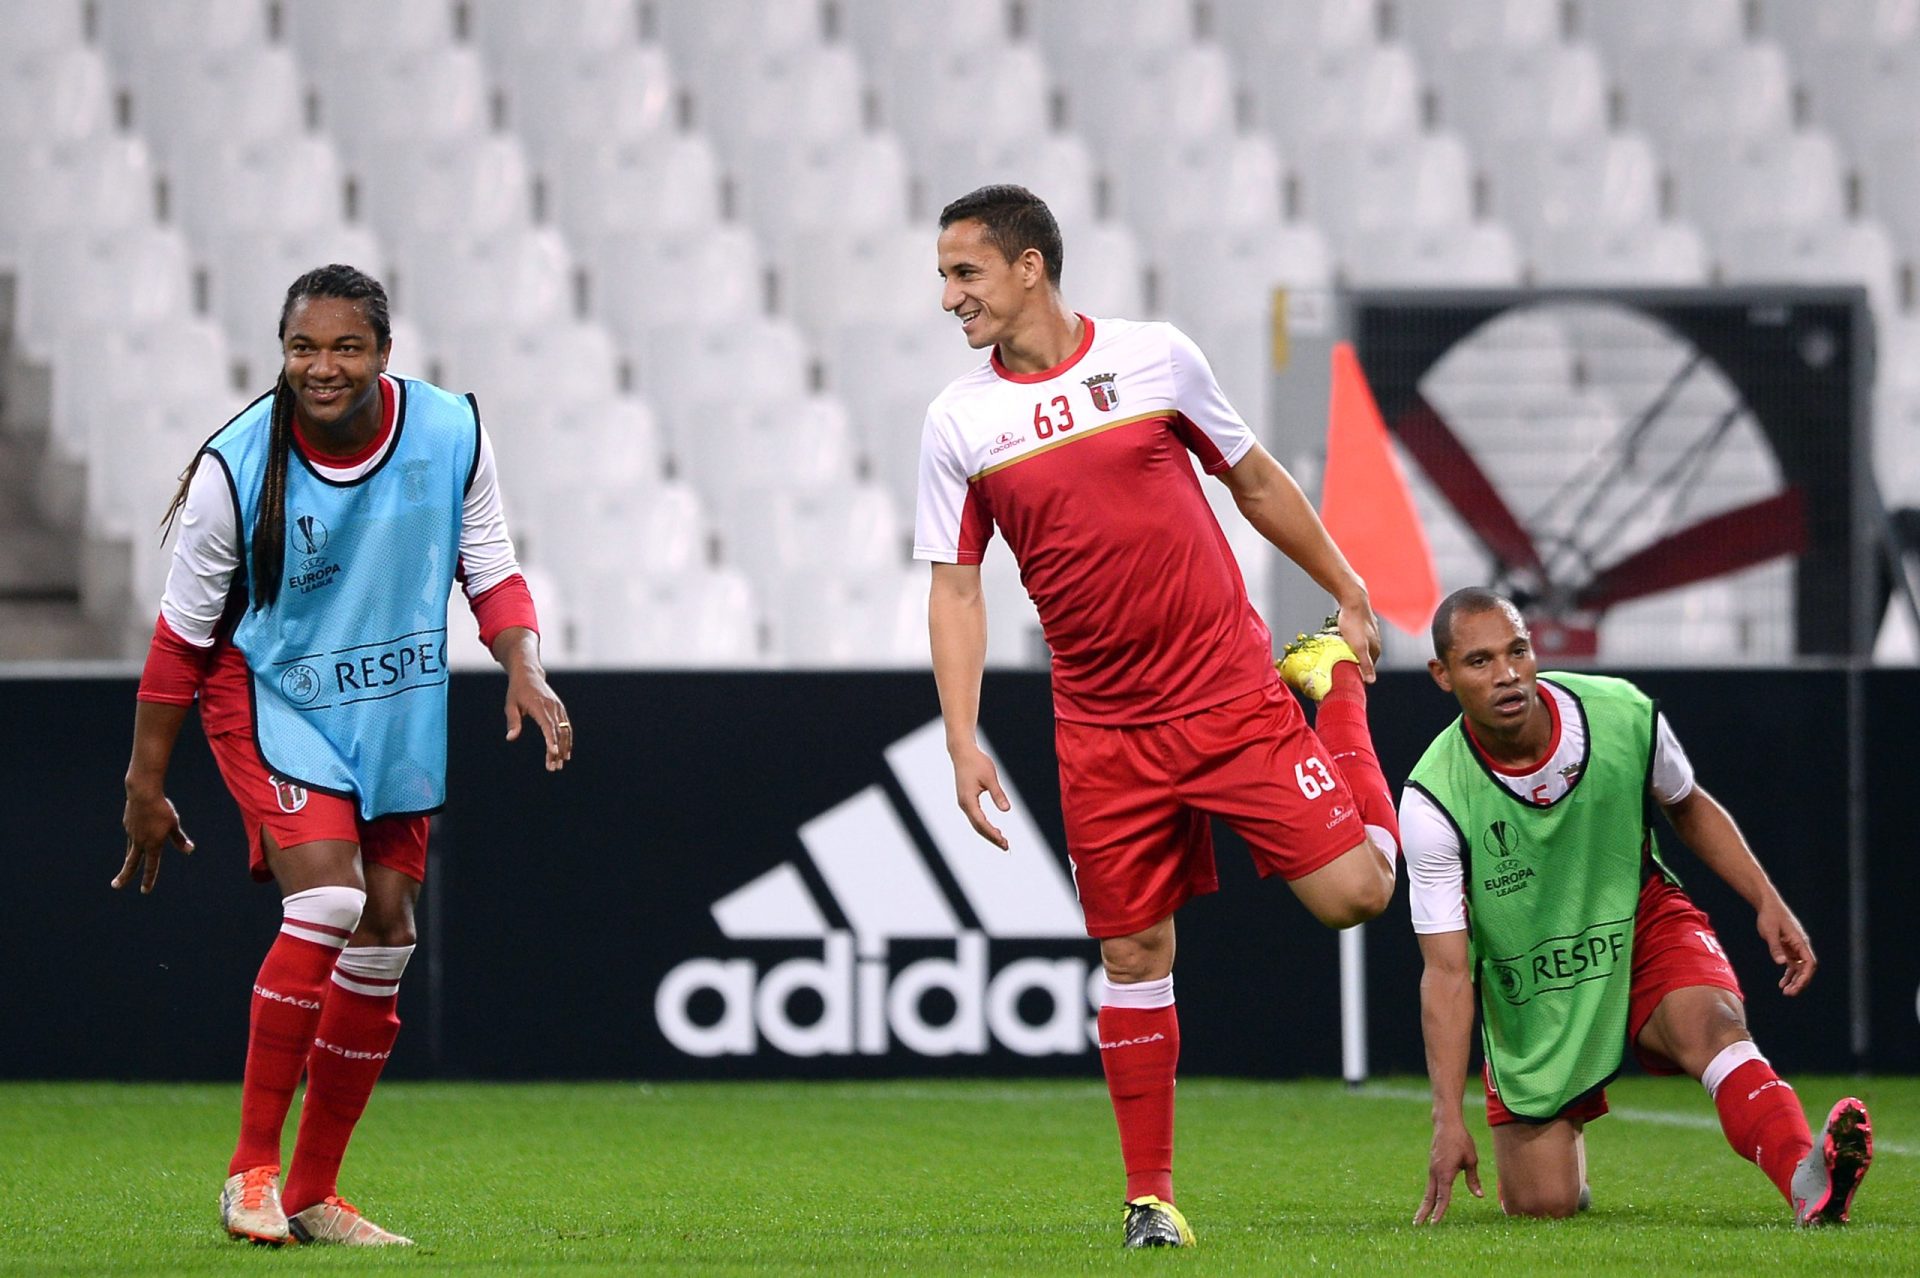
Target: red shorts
x=1674, y=948
x=293, y=814
x=1137, y=798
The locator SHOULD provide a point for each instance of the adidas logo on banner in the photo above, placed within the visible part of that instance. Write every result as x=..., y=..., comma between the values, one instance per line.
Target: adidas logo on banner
x=880, y=881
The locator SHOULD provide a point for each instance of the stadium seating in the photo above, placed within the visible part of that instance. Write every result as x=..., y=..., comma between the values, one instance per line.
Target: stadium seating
x=712, y=221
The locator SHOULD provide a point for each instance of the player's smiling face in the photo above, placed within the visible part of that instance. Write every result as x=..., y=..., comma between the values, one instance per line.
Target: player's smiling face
x=984, y=291
x=333, y=360
x=1490, y=668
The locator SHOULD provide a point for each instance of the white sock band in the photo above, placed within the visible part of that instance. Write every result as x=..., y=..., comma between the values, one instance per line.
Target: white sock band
x=1385, y=844
x=1731, y=1057
x=323, y=915
x=373, y=970
x=1139, y=994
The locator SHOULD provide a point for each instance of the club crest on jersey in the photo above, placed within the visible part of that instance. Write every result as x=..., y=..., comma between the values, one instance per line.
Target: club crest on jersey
x=1106, y=396
x=292, y=797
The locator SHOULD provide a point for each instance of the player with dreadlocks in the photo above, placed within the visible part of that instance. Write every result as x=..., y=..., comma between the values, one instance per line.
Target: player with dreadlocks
x=321, y=531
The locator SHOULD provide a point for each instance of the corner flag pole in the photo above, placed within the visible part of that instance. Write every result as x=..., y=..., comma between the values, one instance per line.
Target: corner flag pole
x=1353, y=1005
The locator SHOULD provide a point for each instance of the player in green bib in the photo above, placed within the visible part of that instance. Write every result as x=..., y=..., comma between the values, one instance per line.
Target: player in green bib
x=1538, y=890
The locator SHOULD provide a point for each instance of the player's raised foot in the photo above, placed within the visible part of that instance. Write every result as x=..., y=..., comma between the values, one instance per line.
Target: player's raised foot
x=1825, y=1181
x=1307, y=663
x=1586, y=1198
x=1153, y=1223
x=250, y=1206
x=335, y=1220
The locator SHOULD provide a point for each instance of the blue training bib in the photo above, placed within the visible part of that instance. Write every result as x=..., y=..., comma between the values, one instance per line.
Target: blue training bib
x=349, y=665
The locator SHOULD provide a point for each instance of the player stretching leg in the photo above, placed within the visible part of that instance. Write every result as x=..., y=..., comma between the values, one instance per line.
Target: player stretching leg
x=1579, y=939
x=1073, y=438
x=330, y=517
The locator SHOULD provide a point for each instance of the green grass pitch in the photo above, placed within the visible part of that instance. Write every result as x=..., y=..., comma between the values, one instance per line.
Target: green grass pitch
x=911, y=1177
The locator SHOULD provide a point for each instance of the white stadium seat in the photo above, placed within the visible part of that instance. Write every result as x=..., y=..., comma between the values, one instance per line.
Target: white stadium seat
x=659, y=183
x=862, y=277
x=1630, y=28
x=101, y=184
x=1658, y=253
x=1444, y=31
x=425, y=96
x=89, y=281
x=968, y=105
x=203, y=100
x=655, y=288
x=1504, y=94
x=873, y=619
x=797, y=197
x=1606, y=181
x=568, y=100
x=464, y=283
x=1364, y=92
x=1696, y=94
x=1354, y=188
x=1829, y=253
x=896, y=40
x=738, y=457
x=1468, y=255
x=1774, y=180
x=146, y=37
x=337, y=39
x=887, y=374
x=467, y=187
x=249, y=271
x=1171, y=186
x=1105, y=269
x=102, y=377
x=1892, y=183
x=1867, y=96
x=241, y=186
x=747, y=361
x=1262, y=33
x=512, y=32
x=712, y=40
x=783, y=98
x=856, y=528
x=1841, y=24
x=698, y=619
x=1086, y=39
x=1111, y=110
x=1058, y=167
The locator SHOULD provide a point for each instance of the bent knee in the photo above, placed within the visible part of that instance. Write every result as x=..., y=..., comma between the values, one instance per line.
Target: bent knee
x=1364, y=901
x=1541, y=1203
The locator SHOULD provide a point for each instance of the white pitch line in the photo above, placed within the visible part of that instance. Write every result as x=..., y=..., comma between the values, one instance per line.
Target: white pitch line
x=1658, y=1117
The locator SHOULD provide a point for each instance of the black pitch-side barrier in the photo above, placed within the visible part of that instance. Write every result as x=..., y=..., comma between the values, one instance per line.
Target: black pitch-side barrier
x=570, y=929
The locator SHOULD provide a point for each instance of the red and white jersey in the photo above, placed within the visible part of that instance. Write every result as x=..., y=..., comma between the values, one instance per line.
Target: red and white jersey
x=1084, y=468
x=1436, y=883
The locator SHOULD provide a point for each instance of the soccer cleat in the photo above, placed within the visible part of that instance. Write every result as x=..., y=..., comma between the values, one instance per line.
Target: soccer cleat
x=1153, y=1223
x=335, y=1220
x=1825, y=1180
x=1307, y=663
x=250, y=1206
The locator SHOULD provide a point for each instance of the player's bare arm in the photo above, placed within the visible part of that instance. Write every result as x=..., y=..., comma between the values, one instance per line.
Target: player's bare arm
x=957, y=629
x=149, y=818
x=1446, y=1021
x=517, y=649
x=1709, y=830
x=1273, y=503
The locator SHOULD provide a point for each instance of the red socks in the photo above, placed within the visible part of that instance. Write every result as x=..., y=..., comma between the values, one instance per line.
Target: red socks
x=350, y=1047
x=1139, y=1048
x=1341, y=722
x=1761, y=1116
x=287, y=995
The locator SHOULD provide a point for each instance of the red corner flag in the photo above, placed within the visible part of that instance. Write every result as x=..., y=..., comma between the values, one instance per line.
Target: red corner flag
x=1366, y=506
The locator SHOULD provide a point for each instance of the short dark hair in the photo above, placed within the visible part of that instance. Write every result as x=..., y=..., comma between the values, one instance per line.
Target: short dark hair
x=1015, y=220
x=349, y=283
x=1471, y=600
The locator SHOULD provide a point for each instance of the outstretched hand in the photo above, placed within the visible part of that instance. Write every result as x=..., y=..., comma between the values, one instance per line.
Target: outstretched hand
x=151, y=823
x=1787, y=942
x=974, y=774
x=1453, y=1152
x=1361, y=629
x=530, y=697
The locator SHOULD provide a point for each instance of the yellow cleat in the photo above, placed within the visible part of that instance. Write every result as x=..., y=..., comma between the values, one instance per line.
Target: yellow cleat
x=1307, y=663
x=1154, y=1223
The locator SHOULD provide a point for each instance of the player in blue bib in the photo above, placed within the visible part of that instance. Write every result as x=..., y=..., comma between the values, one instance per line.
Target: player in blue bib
x=321, y=533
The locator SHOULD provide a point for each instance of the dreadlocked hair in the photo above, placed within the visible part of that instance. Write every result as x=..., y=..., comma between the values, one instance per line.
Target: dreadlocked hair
x=269, y=551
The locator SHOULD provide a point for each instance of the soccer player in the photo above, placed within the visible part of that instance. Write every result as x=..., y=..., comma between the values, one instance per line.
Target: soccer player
x=1073, y=438
x=1536, y=877
x=306, y=607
